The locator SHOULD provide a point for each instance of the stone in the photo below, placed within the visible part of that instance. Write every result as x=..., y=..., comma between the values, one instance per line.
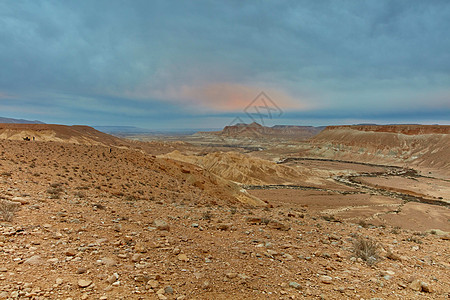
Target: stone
x=20, y=200
x=206, y=285
x=140, y=248
x=426, y=287
x=224, y=226
x=153, y=284
x=161, y=225
x=113, y=278
x=70, y=252
x=136, y=257
x=84, y=283
x=278, y=225
x=326, y=279
x=393, y=256
x=81, y=270
x=231, y=275
x=168, y=290
x=59, y=281
x=295, y=285
x=108, y=261
x=34, y=260
x=183, y=257
x=416, y=285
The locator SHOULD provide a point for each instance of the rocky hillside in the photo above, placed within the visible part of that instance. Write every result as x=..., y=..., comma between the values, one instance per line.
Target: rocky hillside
x=425, y=146
x=245, y=169
x=59, y=133
x=255, y=130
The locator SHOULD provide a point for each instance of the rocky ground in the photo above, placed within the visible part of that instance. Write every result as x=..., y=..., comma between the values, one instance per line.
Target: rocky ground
x=82, y=223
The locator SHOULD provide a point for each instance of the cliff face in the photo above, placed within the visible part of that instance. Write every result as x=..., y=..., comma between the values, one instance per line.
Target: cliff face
x=412, y=129
x=277, y=131
x=426, y=146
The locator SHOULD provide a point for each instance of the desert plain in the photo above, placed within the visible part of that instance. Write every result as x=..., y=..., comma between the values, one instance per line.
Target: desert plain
x=249, y=212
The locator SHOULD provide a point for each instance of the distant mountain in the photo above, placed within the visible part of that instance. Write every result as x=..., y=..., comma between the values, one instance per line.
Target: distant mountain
x=19, y=121
x=256, y=130
x=126, y=131
x=121, y=129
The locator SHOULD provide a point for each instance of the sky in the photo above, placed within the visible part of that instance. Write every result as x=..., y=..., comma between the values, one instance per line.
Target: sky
x=204, y=64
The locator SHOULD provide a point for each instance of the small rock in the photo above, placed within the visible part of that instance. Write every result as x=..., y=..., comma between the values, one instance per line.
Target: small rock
x=278, y=225
x=34, y=260
x=168, y=290
x=153, y=284
x=224, y=226
x=161, y=225
x=108, y=261
x=113, y=278
x=81, y=270
x=70, y=252
x=59, y=281
x=183, y=257
x=20, y=200
x=426, y=287
x=136, y=257
x=416, y=285
x=295, y=285
x=140, y=247
x=206, y=285
x=231, y=275
x=83, y=283
x=326, y=279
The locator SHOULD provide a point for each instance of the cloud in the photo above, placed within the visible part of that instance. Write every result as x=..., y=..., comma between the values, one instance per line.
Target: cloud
x=220, y=96
x=211, y=57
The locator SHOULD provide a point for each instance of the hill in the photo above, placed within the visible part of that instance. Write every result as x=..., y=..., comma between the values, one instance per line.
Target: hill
x=255, y=130
x=247, y=170
x=59, y=133
x=425, y=146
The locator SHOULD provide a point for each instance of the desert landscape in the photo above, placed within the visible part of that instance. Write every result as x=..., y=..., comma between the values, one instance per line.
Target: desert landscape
x=235, y=150
x=86, y=215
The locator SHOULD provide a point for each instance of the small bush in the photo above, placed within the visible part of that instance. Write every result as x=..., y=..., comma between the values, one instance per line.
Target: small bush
x=8, y=210
x=55, y=190
x=207, y=215
x=366, y=249
x=80, y=194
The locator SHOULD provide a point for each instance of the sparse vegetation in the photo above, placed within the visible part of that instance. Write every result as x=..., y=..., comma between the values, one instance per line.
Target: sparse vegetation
x=55, y=190
x=396, y=230
x=8, y=210
x=207, y=215
x=366, y=249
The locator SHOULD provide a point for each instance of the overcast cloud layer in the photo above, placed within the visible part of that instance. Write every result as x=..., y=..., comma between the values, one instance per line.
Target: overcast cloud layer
x=181, y=64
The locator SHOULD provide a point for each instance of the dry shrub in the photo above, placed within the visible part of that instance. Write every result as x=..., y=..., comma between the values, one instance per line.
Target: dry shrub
x=8, y=210
x=366, y=249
